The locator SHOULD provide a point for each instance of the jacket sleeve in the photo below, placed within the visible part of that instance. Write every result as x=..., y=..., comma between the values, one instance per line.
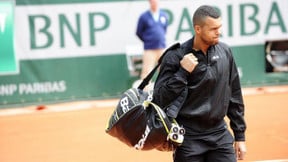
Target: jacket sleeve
x=236, y=106
x=171, y=80
x=140, y=27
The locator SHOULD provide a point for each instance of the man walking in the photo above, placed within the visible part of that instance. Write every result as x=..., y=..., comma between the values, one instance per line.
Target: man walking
x=207, y=70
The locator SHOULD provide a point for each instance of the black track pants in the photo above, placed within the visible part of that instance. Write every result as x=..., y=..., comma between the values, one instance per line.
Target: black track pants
x=214, y=147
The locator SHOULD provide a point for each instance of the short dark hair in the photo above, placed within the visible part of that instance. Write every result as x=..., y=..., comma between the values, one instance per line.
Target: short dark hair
x=202, y=12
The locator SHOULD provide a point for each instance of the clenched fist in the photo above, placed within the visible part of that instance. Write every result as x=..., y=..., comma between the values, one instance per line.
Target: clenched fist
x=189, y=62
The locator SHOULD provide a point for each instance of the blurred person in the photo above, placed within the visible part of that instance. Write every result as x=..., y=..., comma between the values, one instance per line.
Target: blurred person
x=151, y=30
x=206, y=70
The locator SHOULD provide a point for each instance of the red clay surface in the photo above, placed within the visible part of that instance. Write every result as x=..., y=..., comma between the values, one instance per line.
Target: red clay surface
x=79, y=135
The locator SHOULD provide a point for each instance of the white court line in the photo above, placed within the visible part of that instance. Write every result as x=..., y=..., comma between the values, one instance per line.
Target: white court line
x=280, y=160
x=60, y=107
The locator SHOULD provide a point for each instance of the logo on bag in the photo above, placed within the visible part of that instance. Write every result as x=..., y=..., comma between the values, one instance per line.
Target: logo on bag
x=141, y=142
x=124, y=103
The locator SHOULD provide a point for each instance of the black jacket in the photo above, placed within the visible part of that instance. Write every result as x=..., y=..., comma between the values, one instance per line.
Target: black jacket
x=214, y=89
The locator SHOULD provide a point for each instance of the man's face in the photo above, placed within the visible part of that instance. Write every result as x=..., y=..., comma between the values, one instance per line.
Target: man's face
x=210, y=31
x=154, y=4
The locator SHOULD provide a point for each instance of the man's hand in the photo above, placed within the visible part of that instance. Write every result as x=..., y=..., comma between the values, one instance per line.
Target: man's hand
x=189, y=62
x=240, y=149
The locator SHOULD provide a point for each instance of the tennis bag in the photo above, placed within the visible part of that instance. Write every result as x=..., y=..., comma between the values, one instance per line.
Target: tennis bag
x=140, y=123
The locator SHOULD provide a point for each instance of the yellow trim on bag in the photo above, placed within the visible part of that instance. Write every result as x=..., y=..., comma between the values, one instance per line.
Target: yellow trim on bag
x=156, y=107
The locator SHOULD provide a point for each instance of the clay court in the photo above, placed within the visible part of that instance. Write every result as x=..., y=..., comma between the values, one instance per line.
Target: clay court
x=75, y=132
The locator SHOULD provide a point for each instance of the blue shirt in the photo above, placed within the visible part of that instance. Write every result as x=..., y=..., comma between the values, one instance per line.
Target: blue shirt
x=152, y=33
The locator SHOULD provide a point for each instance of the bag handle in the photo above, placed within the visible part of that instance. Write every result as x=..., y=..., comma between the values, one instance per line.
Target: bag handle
x=146, y=80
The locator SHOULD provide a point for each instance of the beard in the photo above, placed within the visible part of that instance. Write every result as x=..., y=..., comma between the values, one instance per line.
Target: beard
x=211, y=41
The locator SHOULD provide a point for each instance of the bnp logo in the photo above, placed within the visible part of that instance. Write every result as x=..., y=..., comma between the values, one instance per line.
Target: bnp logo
x=2, y=22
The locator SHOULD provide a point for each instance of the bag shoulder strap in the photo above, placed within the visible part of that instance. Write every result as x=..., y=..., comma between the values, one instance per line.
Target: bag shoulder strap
x=146, y=80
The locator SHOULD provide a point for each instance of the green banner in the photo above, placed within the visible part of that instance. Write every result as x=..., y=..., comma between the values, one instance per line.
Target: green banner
x=8, y=62
x=68, y=50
